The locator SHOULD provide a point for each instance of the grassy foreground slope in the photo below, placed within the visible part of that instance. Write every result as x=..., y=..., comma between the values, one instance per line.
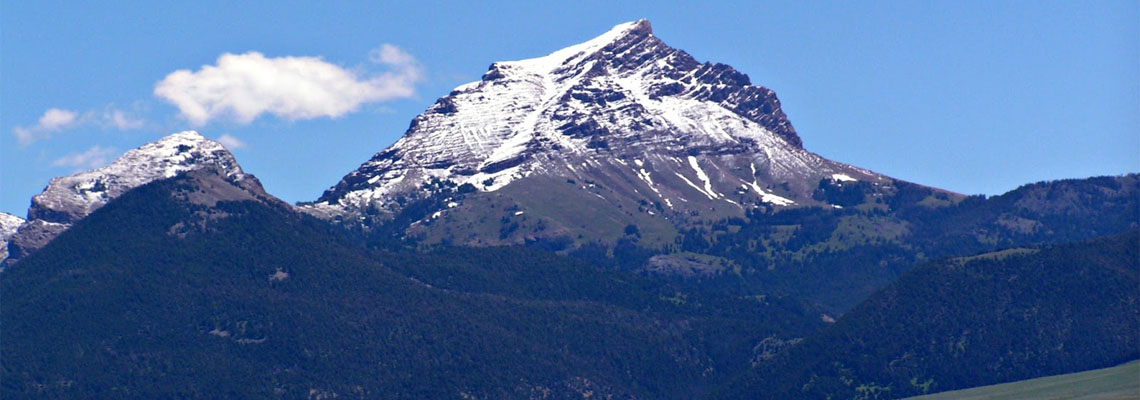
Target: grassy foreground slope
x=1119, y=382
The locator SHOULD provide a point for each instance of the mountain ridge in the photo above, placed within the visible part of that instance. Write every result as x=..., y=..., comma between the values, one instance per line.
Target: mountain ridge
x=200, y=286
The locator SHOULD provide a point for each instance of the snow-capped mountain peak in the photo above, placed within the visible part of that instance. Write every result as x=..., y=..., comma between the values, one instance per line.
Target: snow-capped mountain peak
x=623, y=109
x=68, y=199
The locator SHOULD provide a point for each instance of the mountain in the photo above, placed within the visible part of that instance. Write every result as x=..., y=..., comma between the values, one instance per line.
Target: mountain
x=581, y=143
x=8, y=225
x=963, y=322
x=203, y=286
x=677, y=241
x=624, y=151
x=69, y=199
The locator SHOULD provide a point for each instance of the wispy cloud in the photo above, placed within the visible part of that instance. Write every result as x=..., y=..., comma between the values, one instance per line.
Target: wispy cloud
x=53, y=120
x=231, y=142
x=244, y=86
x=94, y=157
x=121, y=121
x=57, y=120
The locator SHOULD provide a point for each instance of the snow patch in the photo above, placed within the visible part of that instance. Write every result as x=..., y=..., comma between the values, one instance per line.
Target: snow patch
x=694, y=186
x=703, y=177
x=280, y=275
x=644, y=176
x=510, y=148
x=769, y=198
x=843, y=178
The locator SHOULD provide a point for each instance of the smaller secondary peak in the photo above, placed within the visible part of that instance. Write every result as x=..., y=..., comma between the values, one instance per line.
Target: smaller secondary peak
x=68, y=199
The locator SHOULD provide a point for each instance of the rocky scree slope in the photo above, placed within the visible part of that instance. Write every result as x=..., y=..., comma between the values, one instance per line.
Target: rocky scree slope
x=622, y=125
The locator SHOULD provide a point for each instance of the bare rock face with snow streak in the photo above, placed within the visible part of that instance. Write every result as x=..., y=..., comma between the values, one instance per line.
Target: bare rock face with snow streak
x=623, y=119
x=68, y=199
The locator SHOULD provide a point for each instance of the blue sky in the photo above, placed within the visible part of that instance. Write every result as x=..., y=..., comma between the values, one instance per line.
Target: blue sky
x=970, y=96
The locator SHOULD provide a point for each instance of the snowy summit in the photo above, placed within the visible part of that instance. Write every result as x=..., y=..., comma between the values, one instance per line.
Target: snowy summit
x=623, y=110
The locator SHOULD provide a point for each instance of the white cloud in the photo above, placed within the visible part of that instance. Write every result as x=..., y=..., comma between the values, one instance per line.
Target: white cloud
x=57, y=120
x=53, y=120
x=391, y=55
x=231, y=142
x=92, y=158
x=244, y=86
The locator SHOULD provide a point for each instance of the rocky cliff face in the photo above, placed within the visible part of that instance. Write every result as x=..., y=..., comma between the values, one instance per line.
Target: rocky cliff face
x=622, y=118
x=68, y=199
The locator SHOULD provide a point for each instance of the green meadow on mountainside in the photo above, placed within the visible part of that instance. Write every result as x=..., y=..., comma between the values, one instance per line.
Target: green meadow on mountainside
x=1115, y=383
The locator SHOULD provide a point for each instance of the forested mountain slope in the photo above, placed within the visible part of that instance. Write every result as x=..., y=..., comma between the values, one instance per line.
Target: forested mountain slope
x=197, y=287
x=965, y=322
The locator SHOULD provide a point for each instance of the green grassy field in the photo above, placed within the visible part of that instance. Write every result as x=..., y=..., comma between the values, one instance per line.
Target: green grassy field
x=1119, y=382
